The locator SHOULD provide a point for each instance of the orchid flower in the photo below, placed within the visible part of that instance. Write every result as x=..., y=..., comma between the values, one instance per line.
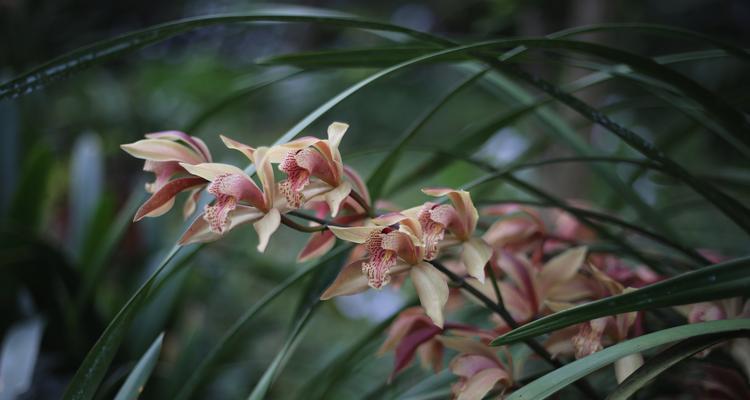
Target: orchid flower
x=309, y=157
x=163, y=152
x=530, y=288
x=589, y=337
x=461, y=220
x=394, y=245
x=478, y=367
x=413, y=332
x=238, y=199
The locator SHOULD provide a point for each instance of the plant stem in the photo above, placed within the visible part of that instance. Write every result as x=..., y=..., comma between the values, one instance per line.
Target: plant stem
x=362, y=202
x=302, y=228
x=500, y=310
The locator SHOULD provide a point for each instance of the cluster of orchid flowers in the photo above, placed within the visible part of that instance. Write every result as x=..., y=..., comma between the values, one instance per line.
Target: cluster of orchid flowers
x=509, y=262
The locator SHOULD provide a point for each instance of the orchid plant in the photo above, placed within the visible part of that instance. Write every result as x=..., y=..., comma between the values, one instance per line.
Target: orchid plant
x=518, y=265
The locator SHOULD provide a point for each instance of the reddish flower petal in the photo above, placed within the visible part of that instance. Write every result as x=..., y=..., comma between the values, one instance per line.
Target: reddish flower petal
x=165, y=194
x=318, y=244
x=408, y=346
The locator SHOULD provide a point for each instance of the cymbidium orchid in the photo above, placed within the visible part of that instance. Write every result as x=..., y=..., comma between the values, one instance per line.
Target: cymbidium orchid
x=413, y=332
x=238, y=200
x=530, y=287
x=164, y=152
x=309, y=157
x=395, y=245
x=460, y=220
x=478, y=367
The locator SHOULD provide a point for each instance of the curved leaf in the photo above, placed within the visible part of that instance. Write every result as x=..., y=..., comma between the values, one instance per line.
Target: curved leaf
x=715, y=282
x=91, y=372
x=133, y=385
x=554, y=381
x=382, y=172
x=666, y=359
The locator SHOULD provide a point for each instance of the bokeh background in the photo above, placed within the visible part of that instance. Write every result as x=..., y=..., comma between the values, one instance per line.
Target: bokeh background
x=70, y=257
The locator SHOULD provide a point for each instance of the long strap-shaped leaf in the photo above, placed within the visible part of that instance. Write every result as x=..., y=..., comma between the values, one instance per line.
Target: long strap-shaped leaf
x=554, y=381
x=94, y=366
x=133, y=385
x=666, y=359
x=718, y=281
x=201, y=371
x=382, y=172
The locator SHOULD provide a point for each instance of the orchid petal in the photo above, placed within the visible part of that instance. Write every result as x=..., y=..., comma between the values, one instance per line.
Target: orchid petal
x=409, y=345
x=196, y=143
x=210, y=171
x=350, y=281
x=461, y=200
x=355, y=234
x=467, y=346
x=475, y=255
x=156, y=204
x=191, y=203
x=265, y=173
x=432, y=290
x=266, y=226
x=248, y=151
x=336, y=132
x=200, y=231
x=162, y=150
x=277, y=153
x=480, y=384
x=359, y=184
x=319, y=243
x=562, y=267
x=336, y=196
x=627, y=365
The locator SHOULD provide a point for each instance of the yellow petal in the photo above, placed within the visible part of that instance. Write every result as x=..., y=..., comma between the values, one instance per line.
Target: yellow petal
x=210, y=171
x=562, y=267
x=356, y=234
x=475, y=255
x=432, y=290
x=161, y=150
x=266, y=226
x=627, y=365
x=461, y=200
x=265, y=174
x=335, y=197
x=336, y=131
x=235, y=145
x=350, y=280
x=277, y=153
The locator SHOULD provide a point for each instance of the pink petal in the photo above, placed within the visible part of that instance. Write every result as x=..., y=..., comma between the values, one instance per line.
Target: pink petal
x=319, y=243
x=562, y=268
x=241, y=147
x=480, y=384
x=359, y=184
x=165, y=194
x=377, y=268
x=199, y=230
x=409, y=344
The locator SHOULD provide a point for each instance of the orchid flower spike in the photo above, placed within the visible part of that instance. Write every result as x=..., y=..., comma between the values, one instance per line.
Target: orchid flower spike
x=461, y=220
x=394, y=245
x=163, y=152
x=309, y=157
x=238, y=199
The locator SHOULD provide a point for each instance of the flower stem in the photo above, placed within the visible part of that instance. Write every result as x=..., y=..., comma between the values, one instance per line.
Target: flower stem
x=302, y=228
x=500, y=310
x=362, y=202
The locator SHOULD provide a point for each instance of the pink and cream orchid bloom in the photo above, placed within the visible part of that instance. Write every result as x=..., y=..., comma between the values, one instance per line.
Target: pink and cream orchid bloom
x=163, y=152
x=314, y=164
x=461, y=220
x=478, y=367
x=238, y=199
x=394, y=245
x=412, y=332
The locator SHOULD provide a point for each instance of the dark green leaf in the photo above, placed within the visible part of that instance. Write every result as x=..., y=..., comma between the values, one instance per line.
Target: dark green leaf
x=554, y=381
x=666, y=359
x=715, y=282
x=133, y=385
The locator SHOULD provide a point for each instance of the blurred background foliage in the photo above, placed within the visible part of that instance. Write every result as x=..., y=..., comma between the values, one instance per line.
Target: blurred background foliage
x=70, y=256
